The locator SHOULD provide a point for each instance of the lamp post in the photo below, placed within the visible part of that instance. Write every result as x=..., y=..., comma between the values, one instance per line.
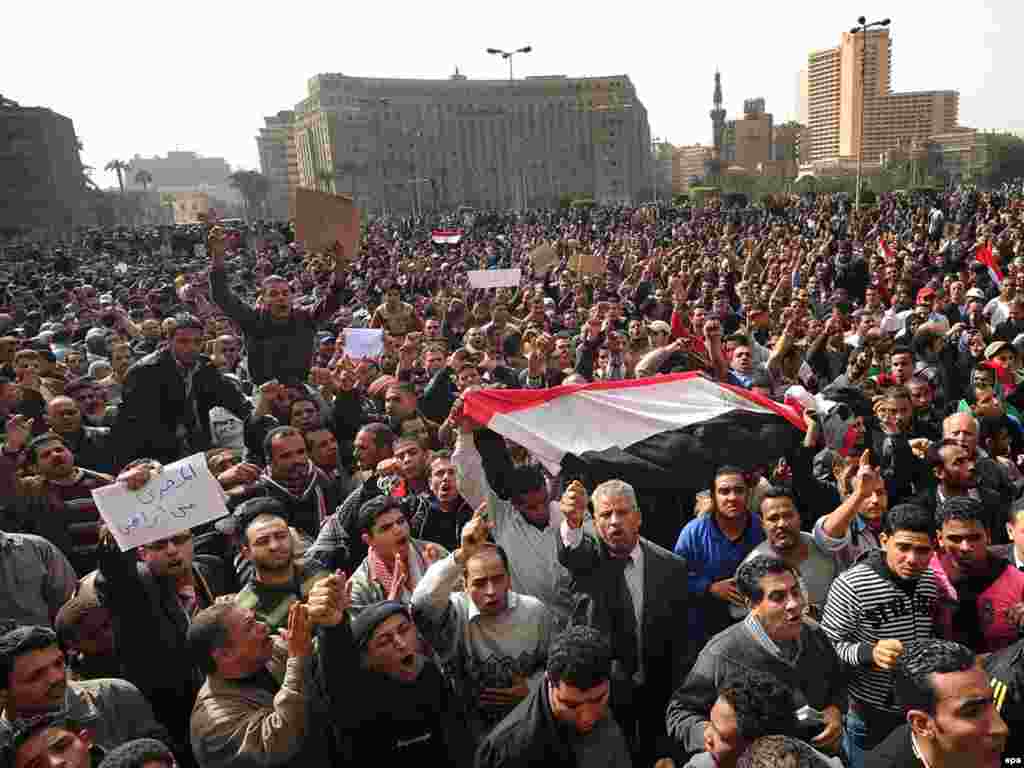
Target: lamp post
x=508, y=55
x=655, y=146
x=862, y=27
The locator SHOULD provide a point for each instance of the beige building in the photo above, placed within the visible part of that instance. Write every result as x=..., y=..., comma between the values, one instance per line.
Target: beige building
x=688, y=162
x=850, y=105
x=277, y=156
x=189, y=207
x=402, y=144
x=753, y=136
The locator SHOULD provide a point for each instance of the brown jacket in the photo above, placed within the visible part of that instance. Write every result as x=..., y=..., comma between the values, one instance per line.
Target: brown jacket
x=237, y=724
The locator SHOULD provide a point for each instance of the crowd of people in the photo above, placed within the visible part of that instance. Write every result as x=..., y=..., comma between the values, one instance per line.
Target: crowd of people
x=395, y=580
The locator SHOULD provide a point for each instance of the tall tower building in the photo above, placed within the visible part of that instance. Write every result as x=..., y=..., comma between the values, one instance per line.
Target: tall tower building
x=851, y=106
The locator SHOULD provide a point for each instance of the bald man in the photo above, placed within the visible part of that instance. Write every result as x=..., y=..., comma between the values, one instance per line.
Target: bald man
x=90, y=445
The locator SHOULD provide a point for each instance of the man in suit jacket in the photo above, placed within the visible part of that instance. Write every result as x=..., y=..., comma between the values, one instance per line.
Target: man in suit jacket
x=166, y=400
x=636, y=592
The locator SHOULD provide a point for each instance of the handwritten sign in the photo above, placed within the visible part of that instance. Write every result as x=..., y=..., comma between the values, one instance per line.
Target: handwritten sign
x=494, y=278
x=180, y=497
x=322, y=218
x=364, y=342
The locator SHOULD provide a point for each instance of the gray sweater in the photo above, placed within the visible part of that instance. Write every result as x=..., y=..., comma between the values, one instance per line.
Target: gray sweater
x=815, y=677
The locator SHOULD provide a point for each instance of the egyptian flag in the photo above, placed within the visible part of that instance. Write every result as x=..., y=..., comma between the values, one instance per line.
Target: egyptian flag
x=666, y=436
x=984, y=255
x=446, y=236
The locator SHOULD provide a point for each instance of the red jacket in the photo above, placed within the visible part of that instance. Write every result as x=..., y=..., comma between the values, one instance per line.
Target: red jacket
x=974, y=609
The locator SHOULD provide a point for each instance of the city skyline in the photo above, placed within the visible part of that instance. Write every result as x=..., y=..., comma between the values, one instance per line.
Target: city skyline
x=152, y=94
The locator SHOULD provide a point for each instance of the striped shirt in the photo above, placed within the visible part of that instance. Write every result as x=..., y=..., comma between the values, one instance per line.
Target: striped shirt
x=867, y=604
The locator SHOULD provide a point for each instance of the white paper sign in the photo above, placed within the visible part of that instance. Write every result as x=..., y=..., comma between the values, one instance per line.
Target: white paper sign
x=199, y=250
x=121, y=268
x=493, y=278
x=364, y=342
x=180, y=497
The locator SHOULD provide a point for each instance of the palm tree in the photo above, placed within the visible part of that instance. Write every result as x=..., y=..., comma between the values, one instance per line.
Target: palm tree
x=167, y=199
x=145, y=178
x=121, y=168
x=252, y=186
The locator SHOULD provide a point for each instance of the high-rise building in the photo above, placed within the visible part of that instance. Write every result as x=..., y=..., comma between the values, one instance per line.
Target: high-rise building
x=277, y=156
x=42, y=184
x=404, y=143
x=851, y=108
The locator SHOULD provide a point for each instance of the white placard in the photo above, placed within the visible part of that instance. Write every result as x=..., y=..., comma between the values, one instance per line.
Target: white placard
x=494, y=278
x=183, y=495
x=364, y=342
x=121, y=268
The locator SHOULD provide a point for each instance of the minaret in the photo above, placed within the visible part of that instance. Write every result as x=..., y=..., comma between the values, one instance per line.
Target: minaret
x=714, y=167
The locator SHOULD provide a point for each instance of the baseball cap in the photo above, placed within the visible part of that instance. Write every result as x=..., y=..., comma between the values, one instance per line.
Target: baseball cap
x=926, y=293
x=659, y=326
x=996, y=347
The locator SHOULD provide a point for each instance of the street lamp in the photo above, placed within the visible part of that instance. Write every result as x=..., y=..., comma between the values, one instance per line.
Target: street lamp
x=655, y=142
x=509, y=54
x=863, y=26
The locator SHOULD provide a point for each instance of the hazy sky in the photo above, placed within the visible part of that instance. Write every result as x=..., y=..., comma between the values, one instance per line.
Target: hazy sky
x=147, y=77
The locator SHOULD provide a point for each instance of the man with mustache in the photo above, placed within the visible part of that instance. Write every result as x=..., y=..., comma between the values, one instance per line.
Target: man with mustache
x=983, y=595
x=306, y=493
x=815, y=566
x=55, y=500
x=774, y=639
x=34, y=681
x=495, y=640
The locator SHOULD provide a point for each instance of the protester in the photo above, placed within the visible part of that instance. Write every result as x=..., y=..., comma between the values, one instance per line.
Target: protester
x=493, y=640
x=774, y=639
x=565, y=721
x=951, y=715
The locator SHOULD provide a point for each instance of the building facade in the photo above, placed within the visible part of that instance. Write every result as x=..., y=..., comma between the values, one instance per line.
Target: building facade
x=851, y=108
x=277, y=156
x=405, y=144
x=42, y=184
x=181, y=172
x=688, y=163
x=753, y=135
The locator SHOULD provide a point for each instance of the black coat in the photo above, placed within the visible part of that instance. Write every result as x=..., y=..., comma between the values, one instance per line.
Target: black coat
x=153, y=406
x=150, y=628
x=668, y=651
x=528, y=736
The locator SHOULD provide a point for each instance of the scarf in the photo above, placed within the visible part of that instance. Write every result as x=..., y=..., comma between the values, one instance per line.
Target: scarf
x=301, y=490
x=384, y=573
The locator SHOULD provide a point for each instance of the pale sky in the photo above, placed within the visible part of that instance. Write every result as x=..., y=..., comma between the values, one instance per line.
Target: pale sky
x=147, y=77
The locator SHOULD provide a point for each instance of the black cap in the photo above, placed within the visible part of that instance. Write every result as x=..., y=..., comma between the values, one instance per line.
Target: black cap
x=371, y=617
x=247, y=511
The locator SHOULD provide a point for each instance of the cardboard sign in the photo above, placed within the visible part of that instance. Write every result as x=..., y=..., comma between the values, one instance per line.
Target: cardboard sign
x=587, y=263
x=176, y=499
x=322, y=218
x=543, y=258
x=361, y=343
x=494, y=278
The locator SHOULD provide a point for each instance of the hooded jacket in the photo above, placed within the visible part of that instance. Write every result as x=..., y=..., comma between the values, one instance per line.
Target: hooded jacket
x=868, y=603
